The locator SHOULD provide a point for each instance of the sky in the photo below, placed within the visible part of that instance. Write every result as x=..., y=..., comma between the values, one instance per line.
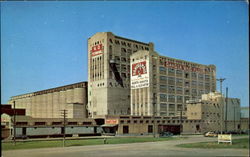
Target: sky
x=44, y=44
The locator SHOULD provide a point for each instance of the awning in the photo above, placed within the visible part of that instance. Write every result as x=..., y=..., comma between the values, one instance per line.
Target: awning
x=109, y=125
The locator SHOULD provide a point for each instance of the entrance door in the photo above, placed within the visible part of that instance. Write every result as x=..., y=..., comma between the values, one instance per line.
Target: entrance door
x=24, y=131
x=150, y=128
x=125, y=130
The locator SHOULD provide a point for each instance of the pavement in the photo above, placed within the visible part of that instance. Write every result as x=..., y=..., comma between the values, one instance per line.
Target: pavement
x=148, y=149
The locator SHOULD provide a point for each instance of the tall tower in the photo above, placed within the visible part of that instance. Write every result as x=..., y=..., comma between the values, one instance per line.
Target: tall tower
x=109, y=73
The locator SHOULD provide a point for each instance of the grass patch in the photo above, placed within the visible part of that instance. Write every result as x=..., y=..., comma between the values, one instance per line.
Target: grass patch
x=237, y=143
x=82, y=142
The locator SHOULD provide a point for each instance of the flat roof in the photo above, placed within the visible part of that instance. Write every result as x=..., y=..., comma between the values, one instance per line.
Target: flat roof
x=60, y=88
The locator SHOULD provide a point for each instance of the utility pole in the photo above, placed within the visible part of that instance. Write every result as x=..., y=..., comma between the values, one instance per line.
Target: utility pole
x=14, y=124
x=181, y=121
x=234, y=118
x=154, y=118
x=221, y=121
x=226, y=109
x=64, y=114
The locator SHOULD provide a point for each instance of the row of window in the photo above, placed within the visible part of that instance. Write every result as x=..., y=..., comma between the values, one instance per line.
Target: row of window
x=161, y=121
x=181, y=72
x=172, y=88
x=127, y=44
x=55, y=123
x=179, y=81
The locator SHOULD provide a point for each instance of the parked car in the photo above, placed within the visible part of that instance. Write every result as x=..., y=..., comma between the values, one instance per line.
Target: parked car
x=166, y=134
x=210, y=134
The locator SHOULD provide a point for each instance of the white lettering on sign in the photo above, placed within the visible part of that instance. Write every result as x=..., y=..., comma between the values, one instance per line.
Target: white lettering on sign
x=140, y=74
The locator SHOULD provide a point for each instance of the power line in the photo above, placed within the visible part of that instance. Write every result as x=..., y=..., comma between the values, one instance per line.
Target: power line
x=221, y=81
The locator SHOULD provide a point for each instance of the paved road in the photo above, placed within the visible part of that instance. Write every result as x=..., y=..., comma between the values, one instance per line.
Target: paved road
x=149, y=149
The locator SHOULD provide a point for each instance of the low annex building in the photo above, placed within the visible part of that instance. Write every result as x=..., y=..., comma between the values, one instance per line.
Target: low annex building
x=50, y=103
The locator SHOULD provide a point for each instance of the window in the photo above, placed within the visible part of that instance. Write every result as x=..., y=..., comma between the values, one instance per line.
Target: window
x=194, y=75
x=179, y=72
x=162, y=69
x=171, y=89
x=179, y=107
x=200, y=83
x=150, y=128
x=86, y=123
x=163, y=86
x=207, y=77
x=123, y=49
x=200, y=76
x=179, y=89
x=123, y=59
x=163, y=107
x=178, y=80
x=170, y=71
x=163, y=78
x=170, y=78
x=72, y=123
x=171, y=98
x=21, y=123
x=179, y=98
x=56, y=123
x=117, y=42
x=194, y=83
x=187, y=83
x=163, y=96
x=123, y=43
x=186, y=98
x=40, y=123
x=124, y=75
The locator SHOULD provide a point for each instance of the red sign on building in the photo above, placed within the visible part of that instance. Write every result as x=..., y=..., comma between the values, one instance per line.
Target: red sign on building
x=111, y=121
x=139, y=69
x=96, y=50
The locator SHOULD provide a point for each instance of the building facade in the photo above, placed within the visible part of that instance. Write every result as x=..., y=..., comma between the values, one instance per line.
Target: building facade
x=161, y=85
x=109, y=73
x=50, y=103
x=244, y=112
x=209, y=109
x=232, y=109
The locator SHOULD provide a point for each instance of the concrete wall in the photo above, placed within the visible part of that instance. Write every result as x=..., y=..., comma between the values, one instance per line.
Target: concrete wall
x=50, y=103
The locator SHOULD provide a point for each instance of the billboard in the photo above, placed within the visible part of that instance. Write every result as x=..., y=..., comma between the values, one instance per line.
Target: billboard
x=139, y=74
x=96, y=50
